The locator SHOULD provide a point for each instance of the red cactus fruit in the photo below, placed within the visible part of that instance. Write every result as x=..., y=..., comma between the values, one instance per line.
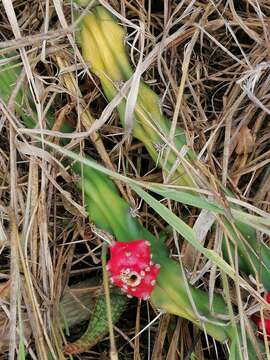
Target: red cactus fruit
x=131, y=268
x=259, y=322
x=267, y=297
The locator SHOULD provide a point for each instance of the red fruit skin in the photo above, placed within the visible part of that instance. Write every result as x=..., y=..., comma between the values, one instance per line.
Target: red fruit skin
x=267, y=297
x=259, y=322
x=132, y=253
x=131, y=268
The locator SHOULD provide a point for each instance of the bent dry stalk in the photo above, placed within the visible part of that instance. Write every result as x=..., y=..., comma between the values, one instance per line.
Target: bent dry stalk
x=102, y=43
x=263, y=319
x=70, y=311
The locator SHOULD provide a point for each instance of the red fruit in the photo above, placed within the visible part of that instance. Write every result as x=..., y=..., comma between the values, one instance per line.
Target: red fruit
x=131, y=268
x=267, y=297
x=259, y=322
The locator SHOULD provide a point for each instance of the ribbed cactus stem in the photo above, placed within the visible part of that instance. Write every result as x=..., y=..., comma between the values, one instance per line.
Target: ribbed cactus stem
x=171, y=291
x=102, y=41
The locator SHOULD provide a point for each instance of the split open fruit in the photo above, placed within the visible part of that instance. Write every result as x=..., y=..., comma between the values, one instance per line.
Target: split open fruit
x=132, y=269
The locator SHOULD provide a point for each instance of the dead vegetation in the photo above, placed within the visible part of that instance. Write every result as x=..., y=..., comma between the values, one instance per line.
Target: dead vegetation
x=209, y=63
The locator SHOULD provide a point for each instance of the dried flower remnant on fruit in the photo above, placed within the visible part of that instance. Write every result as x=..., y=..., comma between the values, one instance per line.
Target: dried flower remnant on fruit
x=131, y=268
x=259, y=321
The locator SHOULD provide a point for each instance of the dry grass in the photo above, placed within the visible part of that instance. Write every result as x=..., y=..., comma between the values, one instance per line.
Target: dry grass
x=209, y=62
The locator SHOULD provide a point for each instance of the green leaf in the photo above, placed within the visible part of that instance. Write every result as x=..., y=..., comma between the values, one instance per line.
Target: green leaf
x=187, y=232
x=187, y=198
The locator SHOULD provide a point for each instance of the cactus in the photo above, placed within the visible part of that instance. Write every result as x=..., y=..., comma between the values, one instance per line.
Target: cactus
x=102, y=43
x=98, y=324
x=171, y=292
x=71, y=311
